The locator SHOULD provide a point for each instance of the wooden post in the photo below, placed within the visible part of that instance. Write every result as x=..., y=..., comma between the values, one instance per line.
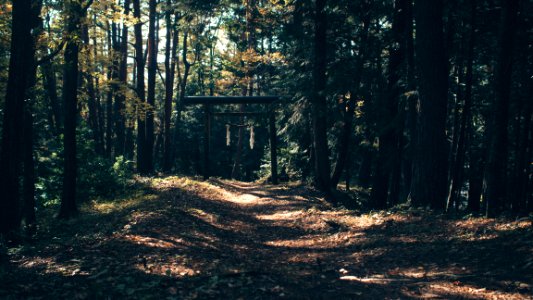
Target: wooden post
x=273, y=148
x=207, y=136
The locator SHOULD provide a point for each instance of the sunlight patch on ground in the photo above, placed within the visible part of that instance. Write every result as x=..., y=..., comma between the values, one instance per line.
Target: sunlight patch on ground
x=244, y=199
x=320, y=241
x=167, y=269
x=118, y=205
x=148, y=241
x=460, y=290
x=202, y=215
x=284, y=215
x=375, y=279
x=50, y=266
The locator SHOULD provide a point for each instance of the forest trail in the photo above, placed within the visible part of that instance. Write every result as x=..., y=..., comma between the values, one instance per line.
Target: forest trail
x=177, y=238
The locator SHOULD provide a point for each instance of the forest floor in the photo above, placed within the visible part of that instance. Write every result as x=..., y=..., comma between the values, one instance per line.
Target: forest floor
x=178, y=238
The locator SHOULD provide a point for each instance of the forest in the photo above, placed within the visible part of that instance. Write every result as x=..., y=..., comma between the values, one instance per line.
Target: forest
x=265, y=149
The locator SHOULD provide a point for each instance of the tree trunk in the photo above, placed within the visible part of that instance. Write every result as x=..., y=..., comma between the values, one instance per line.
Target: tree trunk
x=139, y=62
x=349, y=109
x=120, y=99
x=457, y=172
x=428, y=186
x=170, y=69
x=389, y=133
x=152, y=68
x=29, y=163
x=75, y=13
x=319, y=105
x=50, y=87
x=495, y=176
x=92, y=104
x=25, y=17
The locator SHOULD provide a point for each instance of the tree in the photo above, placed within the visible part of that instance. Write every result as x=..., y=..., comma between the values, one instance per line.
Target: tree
x=495, y=178
x=142, y=152
x=457, y=169
x=120, y=100
x=22, y=66
x=152, y=67
x=389, y=135
x=75, y=12
x=428, y=186
x=170, y=71
x=318, y=101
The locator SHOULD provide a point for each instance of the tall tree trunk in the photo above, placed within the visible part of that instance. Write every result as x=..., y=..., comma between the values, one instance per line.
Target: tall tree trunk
x=139, y=62
x=319, y=105
x=349, y=106
x=411, y=102
x=429, y=179
x=92, y=100
x=457, y=173
x=29, y=163
x=75, y=12
x=152, y=68
x=170, y=69
x=120, y=99
x=389, y=135
x=50, y=87
x=495, y=176
x=25, y=18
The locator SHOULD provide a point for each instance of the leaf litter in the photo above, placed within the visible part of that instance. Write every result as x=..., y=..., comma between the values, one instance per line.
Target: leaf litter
x=179, y=238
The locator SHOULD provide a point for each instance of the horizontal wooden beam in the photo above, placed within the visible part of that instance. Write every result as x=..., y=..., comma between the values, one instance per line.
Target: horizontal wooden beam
x=215, y=100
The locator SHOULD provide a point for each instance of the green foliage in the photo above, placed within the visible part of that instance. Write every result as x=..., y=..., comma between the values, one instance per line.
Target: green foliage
x=123, y=170
x=98, y=176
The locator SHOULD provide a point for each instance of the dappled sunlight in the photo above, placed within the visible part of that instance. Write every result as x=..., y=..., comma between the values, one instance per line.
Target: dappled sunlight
x=320, y=241
x=149, y=241
x=244, y=199
x=197, y=239
x=284, y=215
x=166, y=268
x=107, y=207
x=460, y=290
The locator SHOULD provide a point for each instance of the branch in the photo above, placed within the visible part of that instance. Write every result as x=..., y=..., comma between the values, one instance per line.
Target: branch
x=50, y=56
x=86, y=7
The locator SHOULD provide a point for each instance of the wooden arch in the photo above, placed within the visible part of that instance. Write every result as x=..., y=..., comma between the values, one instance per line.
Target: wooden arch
x=209, y=101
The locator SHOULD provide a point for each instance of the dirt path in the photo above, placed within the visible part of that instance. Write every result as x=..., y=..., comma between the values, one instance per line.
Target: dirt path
x=184, y=239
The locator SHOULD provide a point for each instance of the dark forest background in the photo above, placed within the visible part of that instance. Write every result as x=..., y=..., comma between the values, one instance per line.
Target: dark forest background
x=426, y=103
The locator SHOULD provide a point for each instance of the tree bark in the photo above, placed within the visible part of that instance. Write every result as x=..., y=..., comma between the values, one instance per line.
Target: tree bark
x=120, y=99
x=92, y=101
x=495, y=175
x=389, y=135
x=25, y=17
x=139, y=62
x=75, y=12
x=319, y=104
x=429, y=180
x=457, y=174
x=349, y=108
x=152, y=67
x=170, y=69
